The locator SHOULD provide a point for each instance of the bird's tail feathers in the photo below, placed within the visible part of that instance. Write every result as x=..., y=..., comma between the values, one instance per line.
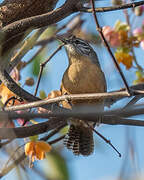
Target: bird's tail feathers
x=79, y=139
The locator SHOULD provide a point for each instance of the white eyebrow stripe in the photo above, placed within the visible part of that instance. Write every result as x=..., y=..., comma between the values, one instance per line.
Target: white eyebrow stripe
x=84, y=46
x=82, y=43
x=84, y=50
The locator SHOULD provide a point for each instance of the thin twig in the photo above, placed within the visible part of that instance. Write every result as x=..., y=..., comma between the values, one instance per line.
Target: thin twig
x=11, y=166
x=109, y=97
x=13, y=98
x=45, y=41
x=89, y=96
x=42, y=65
x=111, y=8
x=6, y=169
x=106, y=140
x=11, y=156
x=132, y=102
x=34, y=56
x=56, y=140
x=45, y=138
x=5, y=143
x=99, y=29
x=27, y=45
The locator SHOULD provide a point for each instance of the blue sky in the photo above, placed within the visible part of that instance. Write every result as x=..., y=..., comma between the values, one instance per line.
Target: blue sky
x=104, y=164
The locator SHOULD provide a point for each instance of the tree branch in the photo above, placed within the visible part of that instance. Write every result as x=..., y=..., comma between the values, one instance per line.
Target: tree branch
x=112, y=8
x=109, y=97
x=87, y=113
x=22, y=132
x=55, y=16
x=89, y=96
x=99, y=29
x=41, y=20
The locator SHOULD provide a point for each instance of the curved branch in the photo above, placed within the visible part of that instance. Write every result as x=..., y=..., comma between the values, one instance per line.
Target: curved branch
x=114, y=117
x=22, y=132
x=55, y=16
x=109, y=97
x=16, y=89
x=41, y=20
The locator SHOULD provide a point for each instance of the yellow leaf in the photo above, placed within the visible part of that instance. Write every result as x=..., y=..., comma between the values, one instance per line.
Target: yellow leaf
x=43, y=146
x=36, y=150
x=5, y=93
x=124, y=58
x=29, y=148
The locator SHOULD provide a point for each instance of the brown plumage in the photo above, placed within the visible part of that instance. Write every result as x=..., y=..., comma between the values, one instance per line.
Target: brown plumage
x=79, y=139
x=83, y=75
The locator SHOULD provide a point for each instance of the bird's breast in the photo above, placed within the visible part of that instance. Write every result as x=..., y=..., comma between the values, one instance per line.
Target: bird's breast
x=83, y=77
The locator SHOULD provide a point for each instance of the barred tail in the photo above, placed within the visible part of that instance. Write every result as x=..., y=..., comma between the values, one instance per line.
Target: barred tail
x=79, y=139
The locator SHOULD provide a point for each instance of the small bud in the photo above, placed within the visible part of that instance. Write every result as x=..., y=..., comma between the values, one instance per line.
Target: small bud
x=29, y=81
x=42, y=94
x=138, y=10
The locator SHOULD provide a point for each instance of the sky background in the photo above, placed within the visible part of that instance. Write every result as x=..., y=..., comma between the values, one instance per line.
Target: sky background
x=104, y=163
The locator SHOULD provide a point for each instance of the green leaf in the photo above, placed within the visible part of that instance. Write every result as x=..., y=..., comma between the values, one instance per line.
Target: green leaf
x=1, y=104
x=123, y=49
x=48, y=32
x=138, y=74
x=55, y=166
x=135, y=82
x=64, y=130
x=121, y=26
x=41, y=57
x=36, y=65
x=42, y=94
x=33, y=138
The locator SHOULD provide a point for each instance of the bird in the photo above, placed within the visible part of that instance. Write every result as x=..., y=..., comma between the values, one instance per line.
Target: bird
x=83, y=75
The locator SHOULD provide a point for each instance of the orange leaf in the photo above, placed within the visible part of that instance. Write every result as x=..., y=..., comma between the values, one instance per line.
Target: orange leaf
x=36, y=150
x=124, y=58
x=5, y=93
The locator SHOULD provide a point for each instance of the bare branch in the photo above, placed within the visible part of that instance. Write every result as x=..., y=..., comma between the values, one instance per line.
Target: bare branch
x=42, y=65
x=55, y=16
x=69, y=98
x=88, y=113
x=112, y=8
x=41, y=20
x=13, y=165
x=99, y=29
x=21, y=132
